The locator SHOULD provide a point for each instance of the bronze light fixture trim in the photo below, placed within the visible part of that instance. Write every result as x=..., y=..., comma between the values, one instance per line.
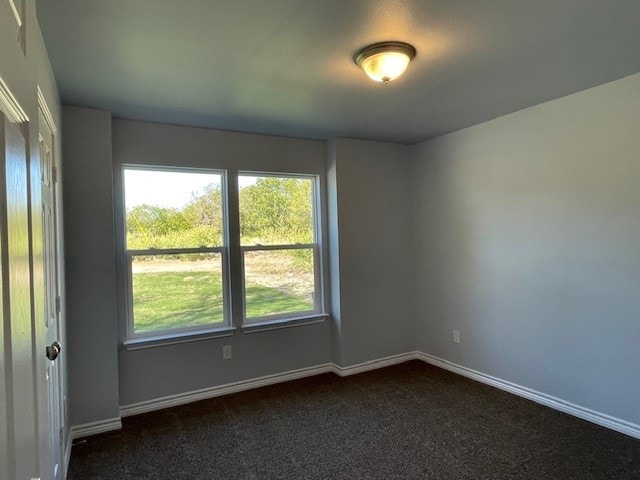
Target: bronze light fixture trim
x=385, y=61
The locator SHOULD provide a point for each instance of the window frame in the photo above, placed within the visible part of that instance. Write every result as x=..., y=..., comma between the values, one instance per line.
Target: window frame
x=315, y=246
x=233, y=258
x=131, y=336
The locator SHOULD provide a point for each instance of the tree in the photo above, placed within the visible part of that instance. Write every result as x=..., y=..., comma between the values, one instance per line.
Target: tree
x=204, y=213
x=277, y=210
x=272, y=210
x=151, y=220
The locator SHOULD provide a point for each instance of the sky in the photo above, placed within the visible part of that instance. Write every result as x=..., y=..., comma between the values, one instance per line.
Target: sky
x=169, y=189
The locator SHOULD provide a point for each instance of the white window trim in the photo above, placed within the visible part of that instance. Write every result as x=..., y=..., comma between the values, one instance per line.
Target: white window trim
x=301, y=317
x=132, y=335
x=234, y=318
x=173, y=338
x=288, y=322
x=289, y=315
x=135, y=340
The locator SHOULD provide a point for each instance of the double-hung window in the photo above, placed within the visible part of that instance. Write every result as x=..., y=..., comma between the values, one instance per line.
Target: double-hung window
x=180, y=273
x=175, y=250
x=280, y=248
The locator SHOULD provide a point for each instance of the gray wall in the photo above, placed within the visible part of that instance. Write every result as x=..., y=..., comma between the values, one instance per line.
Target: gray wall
x=527, y=240
x=521, y=232
x=369, y=198
x=90, y=260
x=168, y=370
x=369, y=207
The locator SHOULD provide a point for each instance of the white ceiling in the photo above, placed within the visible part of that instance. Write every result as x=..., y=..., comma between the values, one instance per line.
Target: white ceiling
x=285, y=67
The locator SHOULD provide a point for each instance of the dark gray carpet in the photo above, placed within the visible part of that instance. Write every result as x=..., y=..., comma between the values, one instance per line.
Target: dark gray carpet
x=411, y=421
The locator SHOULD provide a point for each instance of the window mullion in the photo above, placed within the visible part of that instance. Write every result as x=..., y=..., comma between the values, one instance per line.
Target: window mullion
x=172, y=251
x=292, y=246
x=235, y=253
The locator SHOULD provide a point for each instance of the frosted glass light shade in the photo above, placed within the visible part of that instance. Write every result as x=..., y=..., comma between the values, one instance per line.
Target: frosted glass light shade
x=386, y=61
x=386, y=66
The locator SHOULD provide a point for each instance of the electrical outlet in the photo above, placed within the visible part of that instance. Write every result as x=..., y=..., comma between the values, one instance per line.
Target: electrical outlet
x=226, y=352
x=456, y=336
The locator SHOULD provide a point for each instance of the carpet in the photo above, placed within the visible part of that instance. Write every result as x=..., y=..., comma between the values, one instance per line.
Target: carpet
x=410, y=421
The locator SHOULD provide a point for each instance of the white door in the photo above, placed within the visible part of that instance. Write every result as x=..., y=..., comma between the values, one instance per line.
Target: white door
x=47, y=306
x=20, y=445
x=5, y=368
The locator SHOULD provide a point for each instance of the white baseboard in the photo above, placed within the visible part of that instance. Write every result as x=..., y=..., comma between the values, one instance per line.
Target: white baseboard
x=188, y=397
x=598, y=418
x=94, y=428
x=592, y=416
x=374, y=364
x=205, y=393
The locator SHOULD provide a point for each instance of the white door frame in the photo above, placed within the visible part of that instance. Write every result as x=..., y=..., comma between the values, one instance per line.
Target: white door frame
x=46, y=298
x=19, y=449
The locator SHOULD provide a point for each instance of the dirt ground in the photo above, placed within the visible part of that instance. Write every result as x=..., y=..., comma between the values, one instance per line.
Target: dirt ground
x=270, y=269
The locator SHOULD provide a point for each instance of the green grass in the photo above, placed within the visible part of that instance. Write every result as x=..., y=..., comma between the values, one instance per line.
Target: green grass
x=165, y=300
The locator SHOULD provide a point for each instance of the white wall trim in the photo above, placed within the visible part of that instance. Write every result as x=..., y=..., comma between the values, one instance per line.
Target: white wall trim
x=46, y=112
x=16, y=13
x=592, y=416
x=374, y=364
x=589, y=415
x=205, y=393
x=194, y=396
x=10, y=106
x=94, y=428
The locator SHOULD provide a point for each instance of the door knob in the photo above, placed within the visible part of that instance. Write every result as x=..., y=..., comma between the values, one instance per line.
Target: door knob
x=53, y=351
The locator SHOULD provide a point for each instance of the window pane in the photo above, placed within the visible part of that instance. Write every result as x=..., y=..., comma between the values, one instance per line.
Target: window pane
x=166, y=209
x=275, y=210
x=278, y=282
x=176, y=291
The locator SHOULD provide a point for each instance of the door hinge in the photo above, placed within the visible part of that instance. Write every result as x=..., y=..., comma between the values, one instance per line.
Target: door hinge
x=54, y=174
x=58, y=304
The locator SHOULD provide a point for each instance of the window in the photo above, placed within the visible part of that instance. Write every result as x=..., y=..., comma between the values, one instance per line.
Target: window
x=176, y=250
x=180, y=272
x=280, y=250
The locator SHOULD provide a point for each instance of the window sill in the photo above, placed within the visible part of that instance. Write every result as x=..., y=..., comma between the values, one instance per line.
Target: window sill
x=175, y=338
x=284, y=323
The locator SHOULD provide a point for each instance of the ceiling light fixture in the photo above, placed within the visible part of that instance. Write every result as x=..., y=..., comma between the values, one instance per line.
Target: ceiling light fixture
x=385, y=61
